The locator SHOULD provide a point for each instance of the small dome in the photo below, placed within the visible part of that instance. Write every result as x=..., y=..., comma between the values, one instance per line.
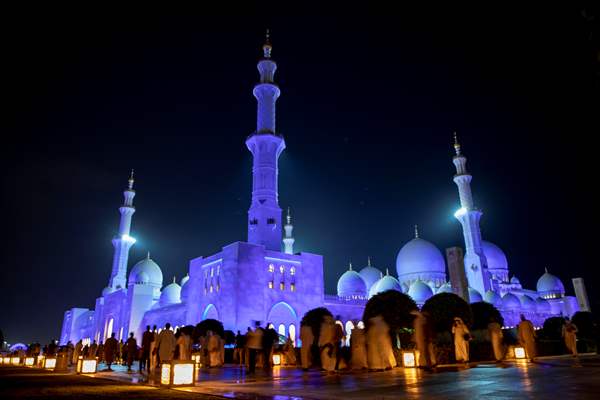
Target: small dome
x=107, y=290
x=146, y=272
x=445, y=288
x=527, y=302
x=496, y=259
x=515, y=280
x=184, y=280
x=388, y=282
x=351, y=285
x=420, y=292
x=543, y=305
x=373, y=291
x=370, y=275
x=171, y=294
x=420, y=259
x=493, y=298
x=510, y=301
x=474, y=296
x=550, y=286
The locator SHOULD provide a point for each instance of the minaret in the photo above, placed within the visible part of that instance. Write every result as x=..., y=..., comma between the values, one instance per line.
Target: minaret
x=264, y=215
x=288, y=240
x=475, y=261
x=123, y=242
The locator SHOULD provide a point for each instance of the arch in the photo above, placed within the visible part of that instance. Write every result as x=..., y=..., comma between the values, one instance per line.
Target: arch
x=281, y=308
x=210, y=312
x=292, y=333
x=109, y=327
x=349, y=327
x=281, y=329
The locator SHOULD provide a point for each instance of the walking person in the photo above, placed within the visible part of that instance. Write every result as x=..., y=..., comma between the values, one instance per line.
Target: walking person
x=461, y=341
x=110, y=350
x=569, y=333
x=254, y=343
x=166, y=344
x=526, y=334
x=307, y=338
x=423, y=338
x=132, y=350
x=495, y=331
x=147, y=339
x=184, y=346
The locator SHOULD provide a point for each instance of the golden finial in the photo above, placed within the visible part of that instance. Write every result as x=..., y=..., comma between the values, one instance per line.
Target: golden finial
x=130, y=180
x=350, y=266
x=289, y=216
x=267, y=46
x=456, y=144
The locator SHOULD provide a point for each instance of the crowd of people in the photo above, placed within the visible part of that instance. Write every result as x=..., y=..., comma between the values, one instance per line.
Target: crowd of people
x=369, y=348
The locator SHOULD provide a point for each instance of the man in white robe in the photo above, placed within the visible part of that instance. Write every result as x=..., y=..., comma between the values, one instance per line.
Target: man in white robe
x=184, y=344
x=166, y=344
x=307, y=338
x=77, y=351
x=495, y=331
x=423, y=340
x=358, y=349
x=380, y=354
x=569, y=333
x=461, y=340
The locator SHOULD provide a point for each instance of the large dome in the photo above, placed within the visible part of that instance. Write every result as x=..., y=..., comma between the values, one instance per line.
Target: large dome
x=351, y=285
x=549, y=286
x=420, y=292
x=171, y=294
x=420, y=259
x=146, y=272
x=496, y=258
x=370, y=275
x=493, y=298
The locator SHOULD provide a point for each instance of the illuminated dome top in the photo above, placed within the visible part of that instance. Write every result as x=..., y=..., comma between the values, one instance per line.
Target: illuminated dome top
x=515, y=280
x=510, y=301
x=420, y=259
x=493, y=298
x=388, y=282
x=496, y=258
x=146, y=272
x=185, y=288
x=420, y=292
x=370, y=275
x=351, y=285
x=474, y=296
x=549, y=286
x=171, y=294
x=185, y=279
x=527, y=302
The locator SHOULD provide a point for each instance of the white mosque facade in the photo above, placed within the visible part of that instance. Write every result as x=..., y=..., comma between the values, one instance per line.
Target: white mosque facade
x=284, y=285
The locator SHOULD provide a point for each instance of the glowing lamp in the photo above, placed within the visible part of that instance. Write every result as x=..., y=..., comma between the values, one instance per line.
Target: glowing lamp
x=520, y=352
x=178, y=373
x=87, y=365
x=6, y=360
x=49, y=363
x=409, y=358
x=460, y=212
x=29, y=361
x=40, y=361
x=196, y=358
x=276, y=359
x=15, y=360
x=128, y=238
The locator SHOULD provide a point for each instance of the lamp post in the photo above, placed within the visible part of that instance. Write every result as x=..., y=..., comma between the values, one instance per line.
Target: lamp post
x=178, y=373
x=410, y=358
x=87, y=365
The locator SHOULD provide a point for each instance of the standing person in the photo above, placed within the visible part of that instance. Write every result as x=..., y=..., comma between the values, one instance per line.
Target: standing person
x=93, y=350
x=495, y=331
x=153, y=352
x=327, y=343
x=270, y=337
x=70, y=352
x=122, y=353
x=84, y=352
x=423, y=338
x=239, y=348
x=131, y=347
x=289, y=351
x=254, y=343
x=527, y=335
x=569, y=333
x=214, y=355
x=166, y=344
x=461, y=340
x=100, y=351
x=307, y=338
x=147, y=338
x=358, y=349
x=77, y=351
x=184, y=344
x=338, y=338
x=110, y=350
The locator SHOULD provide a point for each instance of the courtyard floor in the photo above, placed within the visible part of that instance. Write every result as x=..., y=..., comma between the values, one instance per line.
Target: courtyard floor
x=552, y=377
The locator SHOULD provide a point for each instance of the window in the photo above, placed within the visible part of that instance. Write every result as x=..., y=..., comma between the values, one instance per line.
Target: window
x=281, y=286
x=293, y=271
x=281, y=329
x=253, y=221
x=293, y=287
x=292, y=333
x=271, y=268
x=281, y=269
x=270, y=284
x=270, y=221
x=211, y=288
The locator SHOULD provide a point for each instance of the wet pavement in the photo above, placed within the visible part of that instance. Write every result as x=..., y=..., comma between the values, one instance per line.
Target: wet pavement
x=549, y=377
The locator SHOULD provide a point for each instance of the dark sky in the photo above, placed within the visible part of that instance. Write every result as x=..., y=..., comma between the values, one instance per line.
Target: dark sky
x=367, y=109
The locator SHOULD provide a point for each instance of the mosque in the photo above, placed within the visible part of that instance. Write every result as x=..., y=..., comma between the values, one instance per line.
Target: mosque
x=283, y=284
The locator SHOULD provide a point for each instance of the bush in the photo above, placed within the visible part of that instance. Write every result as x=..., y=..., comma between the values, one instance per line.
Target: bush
x=552, y=329
x=208, y=325
x=587, y=325
x=444, y=307
x=314, y=318
x=484, y=313
x=394, y=307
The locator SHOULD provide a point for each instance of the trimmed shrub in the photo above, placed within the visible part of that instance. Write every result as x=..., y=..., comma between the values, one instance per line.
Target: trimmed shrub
x=208, y=325
x=484, y=313
x=394, y=307
x=444, y=307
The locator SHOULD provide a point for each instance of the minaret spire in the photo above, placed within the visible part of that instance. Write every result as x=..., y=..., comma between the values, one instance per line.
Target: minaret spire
x=123, y=241
x=475, y=262
x=368, y=261
x=265, y=144
x=288, y=240
x=350, y=266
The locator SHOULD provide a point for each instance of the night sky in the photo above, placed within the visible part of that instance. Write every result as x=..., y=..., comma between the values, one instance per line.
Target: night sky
x=368, y=107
